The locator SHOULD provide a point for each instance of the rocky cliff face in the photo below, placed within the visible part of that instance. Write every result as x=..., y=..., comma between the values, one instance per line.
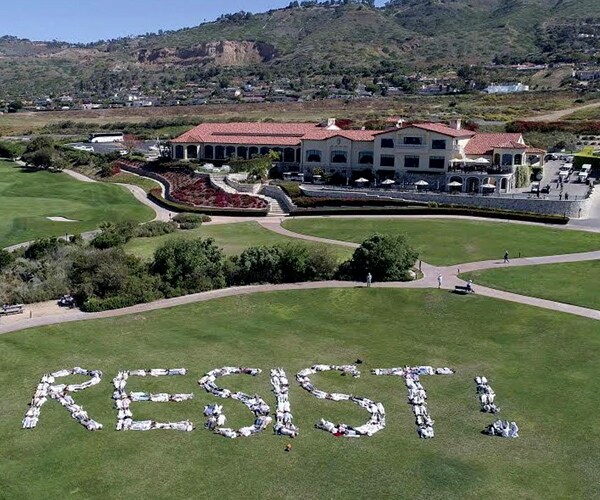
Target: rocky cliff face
x=222, y=53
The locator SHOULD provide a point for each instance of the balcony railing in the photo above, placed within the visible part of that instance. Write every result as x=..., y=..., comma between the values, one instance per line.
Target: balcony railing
x=479, y=169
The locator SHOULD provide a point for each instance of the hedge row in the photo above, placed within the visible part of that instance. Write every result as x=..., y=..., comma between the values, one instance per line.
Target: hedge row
x=156, y=196
x=317, y=202
x=473, y=212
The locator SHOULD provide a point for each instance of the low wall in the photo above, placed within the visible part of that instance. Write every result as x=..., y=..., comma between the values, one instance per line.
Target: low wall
x=278, y=193
x=234, y=180
x=573, y=209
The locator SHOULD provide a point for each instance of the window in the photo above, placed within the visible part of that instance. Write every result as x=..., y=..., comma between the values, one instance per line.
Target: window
x=365, y=157
x=179, y=152
x=209, y=152
x=437, y=162
x=387, y=143
x=518, y=159
x=339, y=157
x=507, y=159
x=313, y=156
x=413, y=141
x=219, y=152
x=497, y=159
x=411, y=162
x=438, y=144
x=387, y=161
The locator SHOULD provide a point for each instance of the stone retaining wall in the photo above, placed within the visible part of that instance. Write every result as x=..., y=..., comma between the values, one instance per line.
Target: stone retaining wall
x=573, y=209
x=234, y=180
x=278, y=193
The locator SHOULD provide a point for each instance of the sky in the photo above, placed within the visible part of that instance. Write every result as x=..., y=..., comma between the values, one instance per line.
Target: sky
x=92, y=20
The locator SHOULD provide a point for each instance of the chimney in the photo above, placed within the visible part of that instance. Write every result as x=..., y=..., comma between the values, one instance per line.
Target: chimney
x=456, y=124
x=331, y=124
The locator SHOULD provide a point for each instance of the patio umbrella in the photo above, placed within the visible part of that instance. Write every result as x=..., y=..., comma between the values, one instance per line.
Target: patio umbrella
x=489, y=186
x=388, y=182
x=421, y=183
x=455, y=184
x=482, y=160
x=361, y=180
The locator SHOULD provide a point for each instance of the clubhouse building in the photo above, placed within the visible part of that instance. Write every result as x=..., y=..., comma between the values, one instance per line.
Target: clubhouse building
x=445, y=156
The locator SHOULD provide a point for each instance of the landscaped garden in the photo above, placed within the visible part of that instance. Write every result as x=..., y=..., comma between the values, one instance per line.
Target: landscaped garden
x=452, y=241
x=28, y=198
x=573, y=283
x=541, y=364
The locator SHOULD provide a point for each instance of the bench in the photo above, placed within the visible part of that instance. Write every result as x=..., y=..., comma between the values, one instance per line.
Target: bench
x=16, y=309
x=463, y=290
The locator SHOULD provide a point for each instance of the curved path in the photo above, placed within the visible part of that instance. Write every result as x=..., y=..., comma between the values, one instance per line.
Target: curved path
x=557, y=115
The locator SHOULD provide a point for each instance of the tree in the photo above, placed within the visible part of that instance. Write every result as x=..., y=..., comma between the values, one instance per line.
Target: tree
x=386, y=257
x=6, y=258
x=131, y=143
x=258, y=265
x=189, y=266
x=11, y=149
x=258, y=166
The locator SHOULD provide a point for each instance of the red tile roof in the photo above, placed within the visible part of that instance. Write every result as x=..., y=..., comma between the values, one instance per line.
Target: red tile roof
x=269, y=134
x=484, y=144
x=438, y=128
x=535, y=151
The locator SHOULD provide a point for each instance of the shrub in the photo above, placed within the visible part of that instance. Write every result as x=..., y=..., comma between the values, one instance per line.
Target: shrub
x=189, y=266
x=41, y=247
x=186, y=226
x=11, y=149
x=114, y=235
x=258, y=265
x=154, y=228
x=6, y=258
x=194, y=218
x=386, y=257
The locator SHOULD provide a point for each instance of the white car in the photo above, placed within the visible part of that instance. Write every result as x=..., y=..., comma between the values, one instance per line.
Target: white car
x=83, y=147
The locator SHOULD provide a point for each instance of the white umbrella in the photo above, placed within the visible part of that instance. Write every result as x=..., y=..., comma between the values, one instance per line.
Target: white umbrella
x=361, y=180
x=388, y=182
x=482, y=160
x=455, y=184
x=489, y=186
x=421, y=183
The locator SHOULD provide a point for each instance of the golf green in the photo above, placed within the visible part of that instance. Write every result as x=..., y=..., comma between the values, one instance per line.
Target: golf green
x=28, y=198
x=542, y=365
x=455, y=241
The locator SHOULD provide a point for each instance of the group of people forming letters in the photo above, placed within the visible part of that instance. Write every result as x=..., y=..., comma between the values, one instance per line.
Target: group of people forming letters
x=61, y=392
x=123, y=401
x=375, y=423
x=486, y=395
x=417, y=396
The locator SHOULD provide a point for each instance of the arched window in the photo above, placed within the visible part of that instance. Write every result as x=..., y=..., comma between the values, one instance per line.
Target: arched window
x=209, y=152
x=253, y=151
x=289, y=155
x=179, y=152
x=313, y=156
x=230, y=151
x=507, y=159
x=192, y=152
x=365, y=157
x=219, y=153
x=242, y=152
x=497, y=159
x=339, y=157
x=264, y=151
x=518, y=159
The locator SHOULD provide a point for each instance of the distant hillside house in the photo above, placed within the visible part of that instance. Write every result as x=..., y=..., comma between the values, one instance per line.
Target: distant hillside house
x=507, y=89
x=587, y=75
x=404, y=152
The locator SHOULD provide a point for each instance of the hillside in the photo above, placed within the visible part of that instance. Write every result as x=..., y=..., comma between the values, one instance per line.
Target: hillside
x=314, y=42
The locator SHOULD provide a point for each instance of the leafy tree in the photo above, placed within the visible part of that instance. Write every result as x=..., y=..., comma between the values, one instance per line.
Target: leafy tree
x=189, y=266
x=11, y=149
x=386, y=257
x=6, y=258
x=258, y=265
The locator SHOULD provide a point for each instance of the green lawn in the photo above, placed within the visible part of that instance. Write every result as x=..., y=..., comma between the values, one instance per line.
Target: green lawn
x=126, y=178
x=573, y=283
x=233, y=238
x=542, y=365
x=27, y=198
x=452, y=241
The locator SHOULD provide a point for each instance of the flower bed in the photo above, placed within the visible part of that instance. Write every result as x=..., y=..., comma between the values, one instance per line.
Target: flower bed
x=195, y=190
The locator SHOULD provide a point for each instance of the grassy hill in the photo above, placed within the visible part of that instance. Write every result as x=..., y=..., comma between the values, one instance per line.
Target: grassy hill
x=315, y=41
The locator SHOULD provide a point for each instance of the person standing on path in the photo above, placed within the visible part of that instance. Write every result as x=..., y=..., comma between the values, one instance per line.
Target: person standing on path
x=506, y=259
x=440, y=279
x=369, y=280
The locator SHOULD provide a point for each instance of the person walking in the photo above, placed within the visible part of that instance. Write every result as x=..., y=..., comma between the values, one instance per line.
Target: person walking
x=440, y=279
x=369, y=280
x=566, y=196
x=506, y=259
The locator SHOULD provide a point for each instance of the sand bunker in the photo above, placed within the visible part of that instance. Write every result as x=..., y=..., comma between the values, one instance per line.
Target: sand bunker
x=60, y=219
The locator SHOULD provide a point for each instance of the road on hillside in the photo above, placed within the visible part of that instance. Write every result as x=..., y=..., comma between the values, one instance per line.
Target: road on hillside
x=559, y=115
